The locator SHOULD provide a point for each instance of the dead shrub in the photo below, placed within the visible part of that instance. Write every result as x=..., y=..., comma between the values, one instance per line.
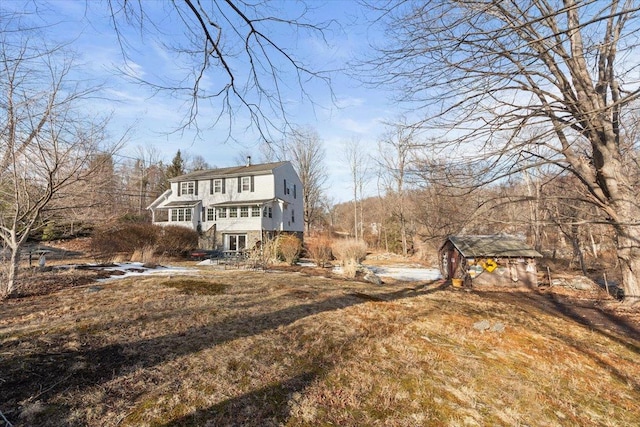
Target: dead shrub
x=176, y=241
x=349, y=250
x=350, y=268
x=146, y=254
x=319, y=250
x=268, y=252
x=120, y=238
x=289, y=247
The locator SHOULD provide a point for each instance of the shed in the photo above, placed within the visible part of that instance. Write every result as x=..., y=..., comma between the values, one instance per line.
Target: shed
x=501, y=260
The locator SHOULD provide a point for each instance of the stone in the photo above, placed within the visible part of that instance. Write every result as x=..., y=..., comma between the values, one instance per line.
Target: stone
x=371, y=277
x=482, y=325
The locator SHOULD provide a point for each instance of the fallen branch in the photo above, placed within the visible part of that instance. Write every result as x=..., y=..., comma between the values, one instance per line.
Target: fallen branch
x=6, y=421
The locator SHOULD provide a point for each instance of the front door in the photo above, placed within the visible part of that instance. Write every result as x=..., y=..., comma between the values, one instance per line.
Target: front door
x=237, y=242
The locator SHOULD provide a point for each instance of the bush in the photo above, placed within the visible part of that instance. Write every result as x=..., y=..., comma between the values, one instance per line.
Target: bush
x=123, y=238
x=349, y=250
x=175, y=240
x=319, y=250
x=289, y=247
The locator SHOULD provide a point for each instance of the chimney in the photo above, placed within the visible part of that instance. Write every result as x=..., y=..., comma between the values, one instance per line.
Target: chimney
x=248, y=161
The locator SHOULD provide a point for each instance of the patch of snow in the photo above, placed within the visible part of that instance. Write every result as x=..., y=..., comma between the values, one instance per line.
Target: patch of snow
x=407, y=274
x=132, y=269
x=404, y=274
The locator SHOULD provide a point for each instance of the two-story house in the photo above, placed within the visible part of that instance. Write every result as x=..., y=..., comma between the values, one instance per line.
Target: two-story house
x=234, y=208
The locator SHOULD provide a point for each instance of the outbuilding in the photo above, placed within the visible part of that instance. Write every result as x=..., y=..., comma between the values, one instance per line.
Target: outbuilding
x=500, y=260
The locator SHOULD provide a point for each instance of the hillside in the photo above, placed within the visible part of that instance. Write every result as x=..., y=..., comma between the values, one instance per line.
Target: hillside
x=229, y=348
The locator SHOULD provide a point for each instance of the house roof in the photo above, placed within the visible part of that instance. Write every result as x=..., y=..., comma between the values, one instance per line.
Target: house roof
x=498, y=245
x=180, y=204
x=244, y=202
x=257, y=169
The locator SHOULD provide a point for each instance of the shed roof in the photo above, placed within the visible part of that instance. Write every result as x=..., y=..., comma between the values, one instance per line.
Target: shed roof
x=498, y=245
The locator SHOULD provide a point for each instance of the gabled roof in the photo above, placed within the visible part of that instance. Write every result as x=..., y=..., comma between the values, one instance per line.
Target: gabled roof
x=498, y=245
x=259, y=169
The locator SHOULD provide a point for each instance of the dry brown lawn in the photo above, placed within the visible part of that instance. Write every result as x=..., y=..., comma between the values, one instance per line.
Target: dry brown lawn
x=247, y=348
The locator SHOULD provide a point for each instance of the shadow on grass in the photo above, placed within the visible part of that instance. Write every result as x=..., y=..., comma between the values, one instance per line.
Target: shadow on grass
x=42, y=376
x=596, y=319
x=268, y=406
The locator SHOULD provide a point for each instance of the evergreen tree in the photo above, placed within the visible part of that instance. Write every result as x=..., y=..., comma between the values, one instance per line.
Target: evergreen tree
x=176, y=168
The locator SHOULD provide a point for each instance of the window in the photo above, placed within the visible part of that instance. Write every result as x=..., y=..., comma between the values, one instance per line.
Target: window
x=255, y=211
x=293, y=216
x=294, y=192
x=233, y=212
x=244, y=211
x=211, y=214
x=181, y=214
x=270, y=214
x=217, y=186
x=246, y=183
x=187, y=187
x=222, y=212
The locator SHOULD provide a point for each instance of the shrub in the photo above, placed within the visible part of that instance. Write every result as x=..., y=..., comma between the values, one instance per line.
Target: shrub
x=349, y=250
x=289, y=247
x=145, y=254
x=123, y=238
x=175, y=240
x=319, y=251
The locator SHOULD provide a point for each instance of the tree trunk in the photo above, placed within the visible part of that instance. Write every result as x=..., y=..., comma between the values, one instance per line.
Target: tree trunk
x=12, y=273
x=628, y=251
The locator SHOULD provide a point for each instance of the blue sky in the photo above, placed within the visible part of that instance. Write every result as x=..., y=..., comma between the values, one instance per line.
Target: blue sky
x=355, y=112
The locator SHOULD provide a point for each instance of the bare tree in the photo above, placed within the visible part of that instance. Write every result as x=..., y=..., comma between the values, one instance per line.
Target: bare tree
x=307, y=156
x=231, y=52
x=484, y=72
x=358, y=163
x=46, y=143
x=395, y=149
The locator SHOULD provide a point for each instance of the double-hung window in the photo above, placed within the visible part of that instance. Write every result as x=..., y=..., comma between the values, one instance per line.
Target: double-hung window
x=233, y=212
x=222, y=212
x=217, y=186
x=246, y=183
x=211, y=214
x=188, y=187
x=244, y=211
x=255, y=211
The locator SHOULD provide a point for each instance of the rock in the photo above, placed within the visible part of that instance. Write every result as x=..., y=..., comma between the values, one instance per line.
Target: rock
x=482, y=325
x=582, y=283
x=498, y=327
x=371, y=277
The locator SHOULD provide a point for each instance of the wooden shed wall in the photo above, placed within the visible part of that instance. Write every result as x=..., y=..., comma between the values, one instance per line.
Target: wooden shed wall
x=510, y=271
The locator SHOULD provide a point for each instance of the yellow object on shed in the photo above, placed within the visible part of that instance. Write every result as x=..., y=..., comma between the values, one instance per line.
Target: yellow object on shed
x=457, y=283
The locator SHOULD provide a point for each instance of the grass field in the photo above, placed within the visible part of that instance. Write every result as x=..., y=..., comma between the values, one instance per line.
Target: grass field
x=253, y=348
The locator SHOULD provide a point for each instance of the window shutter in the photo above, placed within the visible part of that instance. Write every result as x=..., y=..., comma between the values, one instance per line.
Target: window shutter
x=239, y=185
x=211, y=186
x=224, y=182
x=294, y=191
x=252, y=184
x=195, y=187
x=179, y=188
